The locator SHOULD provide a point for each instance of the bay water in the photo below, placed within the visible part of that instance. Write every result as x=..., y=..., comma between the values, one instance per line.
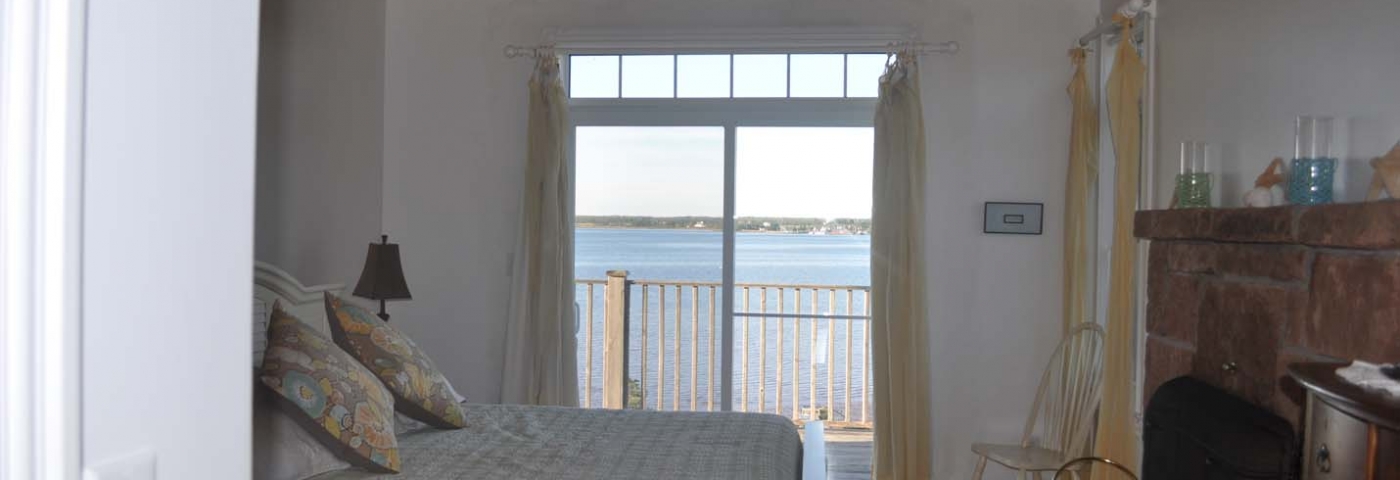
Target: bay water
x=833, y=272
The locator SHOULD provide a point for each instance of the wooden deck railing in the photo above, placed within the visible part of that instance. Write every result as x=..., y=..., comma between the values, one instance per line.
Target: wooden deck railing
x=800, y=350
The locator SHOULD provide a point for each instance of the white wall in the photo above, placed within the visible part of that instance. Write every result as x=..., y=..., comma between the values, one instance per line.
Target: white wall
x=320, y=136
x=168, y=234
x=1109, y=7
x=1237, y=73
x=997, y=117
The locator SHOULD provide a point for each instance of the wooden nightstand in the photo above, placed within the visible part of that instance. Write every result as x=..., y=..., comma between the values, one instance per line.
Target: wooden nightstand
x=1350, y=433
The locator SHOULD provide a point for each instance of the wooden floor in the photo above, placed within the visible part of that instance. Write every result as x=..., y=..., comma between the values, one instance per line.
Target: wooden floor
x=848, y=453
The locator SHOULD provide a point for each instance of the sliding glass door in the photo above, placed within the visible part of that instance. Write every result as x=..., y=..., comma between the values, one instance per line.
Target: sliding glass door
x=722, y=214
x=802, y=271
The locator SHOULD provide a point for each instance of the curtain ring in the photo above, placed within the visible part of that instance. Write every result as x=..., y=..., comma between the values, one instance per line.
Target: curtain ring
x=1124, y=21
x=1077, y=54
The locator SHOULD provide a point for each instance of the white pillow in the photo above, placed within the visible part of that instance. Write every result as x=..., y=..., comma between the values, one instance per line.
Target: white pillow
x=282, y=449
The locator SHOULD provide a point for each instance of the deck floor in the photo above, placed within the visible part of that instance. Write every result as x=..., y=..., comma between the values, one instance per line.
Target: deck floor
x=848, y=453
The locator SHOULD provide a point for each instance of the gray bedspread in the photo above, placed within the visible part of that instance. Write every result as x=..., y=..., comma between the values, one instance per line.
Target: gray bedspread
x=526, y=442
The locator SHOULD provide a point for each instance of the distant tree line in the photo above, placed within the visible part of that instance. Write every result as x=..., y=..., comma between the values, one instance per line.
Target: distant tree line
x=742, y=224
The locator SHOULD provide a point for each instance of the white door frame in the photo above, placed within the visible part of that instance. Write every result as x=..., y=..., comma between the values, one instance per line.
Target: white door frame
x=729, y=113
x=1105, y=46
x=41, y=125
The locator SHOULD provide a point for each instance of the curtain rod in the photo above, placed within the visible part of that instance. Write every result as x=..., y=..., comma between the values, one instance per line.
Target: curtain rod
x=1131, y=9
x=919, y=48
x=531, y=51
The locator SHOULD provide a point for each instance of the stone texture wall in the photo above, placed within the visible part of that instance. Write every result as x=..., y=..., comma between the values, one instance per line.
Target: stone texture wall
x=1258, y=289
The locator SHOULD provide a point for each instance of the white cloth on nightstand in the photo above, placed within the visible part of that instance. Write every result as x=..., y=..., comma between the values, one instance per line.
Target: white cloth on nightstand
x=1369, y=376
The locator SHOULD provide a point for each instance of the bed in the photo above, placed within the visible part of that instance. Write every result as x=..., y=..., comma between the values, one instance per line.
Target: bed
x=535, y=442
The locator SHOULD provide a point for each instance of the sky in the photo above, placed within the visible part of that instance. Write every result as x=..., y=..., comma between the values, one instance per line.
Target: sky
x=710, y=76
x=679, y=171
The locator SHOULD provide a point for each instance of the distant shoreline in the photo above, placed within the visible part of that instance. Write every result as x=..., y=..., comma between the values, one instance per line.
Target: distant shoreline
x=780, y=225
x=718, y=230
x=707, y=229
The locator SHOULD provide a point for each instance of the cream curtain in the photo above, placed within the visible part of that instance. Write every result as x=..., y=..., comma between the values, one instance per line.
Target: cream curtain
x=540, y=364
x=1115, y=438
x=899, y=318
x=1079, y=184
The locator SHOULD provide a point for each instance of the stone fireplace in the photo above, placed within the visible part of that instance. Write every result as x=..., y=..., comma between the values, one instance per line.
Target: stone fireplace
x=1235, y=295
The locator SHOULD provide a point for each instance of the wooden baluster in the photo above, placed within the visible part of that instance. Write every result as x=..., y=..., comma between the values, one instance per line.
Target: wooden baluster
x=812, y=353
x=661, y=347
x=865, y=365
x=796, y=353
x=676, y=355
x=710, y=388
x=778, y=385
x=694, y=341
x=850, y=311
x=588, y=349
x=642, y=377
x=830, y=356
x=744, y=372
x=763, y=351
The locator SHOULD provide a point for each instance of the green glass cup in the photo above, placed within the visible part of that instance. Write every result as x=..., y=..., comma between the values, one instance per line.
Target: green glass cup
x=1193, y=190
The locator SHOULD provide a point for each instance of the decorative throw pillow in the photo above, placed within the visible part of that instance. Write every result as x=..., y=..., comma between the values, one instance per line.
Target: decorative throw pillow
x=420, y=391
x=334, y=397
x=283, y=449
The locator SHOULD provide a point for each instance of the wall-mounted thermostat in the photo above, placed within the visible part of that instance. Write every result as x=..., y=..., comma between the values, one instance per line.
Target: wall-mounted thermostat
x=1012, y=218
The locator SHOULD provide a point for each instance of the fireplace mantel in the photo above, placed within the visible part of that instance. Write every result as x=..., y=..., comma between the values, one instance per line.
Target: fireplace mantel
x=1236, y=295
x=1365, y=226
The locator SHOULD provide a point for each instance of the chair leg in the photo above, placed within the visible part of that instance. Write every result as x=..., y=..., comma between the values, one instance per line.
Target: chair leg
x=1020, y=475
x=981, y=465
x=1037, y=476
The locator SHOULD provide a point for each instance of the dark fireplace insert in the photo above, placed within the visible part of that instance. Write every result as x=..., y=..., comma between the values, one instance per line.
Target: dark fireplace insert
x=1195, y=431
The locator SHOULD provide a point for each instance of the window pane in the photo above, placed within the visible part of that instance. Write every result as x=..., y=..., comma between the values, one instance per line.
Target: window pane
x=760, y=75
x=648, y=76
x=649, y=172
x=593, y=76
x=802, y=217
x=863, y=74
x=804, y=172
x=702, y=76
x=650, y=201
x=817, y=75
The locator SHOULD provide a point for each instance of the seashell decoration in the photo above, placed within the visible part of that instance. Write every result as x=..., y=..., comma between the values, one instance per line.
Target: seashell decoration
x=1387, y=176
x=1267, y=191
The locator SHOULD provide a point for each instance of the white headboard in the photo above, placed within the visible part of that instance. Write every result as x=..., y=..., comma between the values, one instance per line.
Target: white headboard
x=306, y=303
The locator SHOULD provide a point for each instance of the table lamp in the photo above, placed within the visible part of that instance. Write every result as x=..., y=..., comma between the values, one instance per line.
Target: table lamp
x=382, y=278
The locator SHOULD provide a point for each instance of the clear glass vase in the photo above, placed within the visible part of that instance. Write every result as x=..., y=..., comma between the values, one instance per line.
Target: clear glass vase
x=1313, y=170
x=1194, y=181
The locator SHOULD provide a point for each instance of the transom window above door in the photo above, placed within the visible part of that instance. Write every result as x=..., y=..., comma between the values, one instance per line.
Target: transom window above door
x=763, y=75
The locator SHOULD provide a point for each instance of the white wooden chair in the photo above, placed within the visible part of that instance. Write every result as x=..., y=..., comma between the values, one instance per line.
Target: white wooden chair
x=1062, y=416
x=1073, y=468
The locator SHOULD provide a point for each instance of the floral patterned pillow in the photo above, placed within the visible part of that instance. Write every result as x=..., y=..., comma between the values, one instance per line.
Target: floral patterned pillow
x=335, y=398
x=420, y=391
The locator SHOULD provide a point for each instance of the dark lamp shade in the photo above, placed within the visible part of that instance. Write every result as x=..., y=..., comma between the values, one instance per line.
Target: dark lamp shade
x=382, y=278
